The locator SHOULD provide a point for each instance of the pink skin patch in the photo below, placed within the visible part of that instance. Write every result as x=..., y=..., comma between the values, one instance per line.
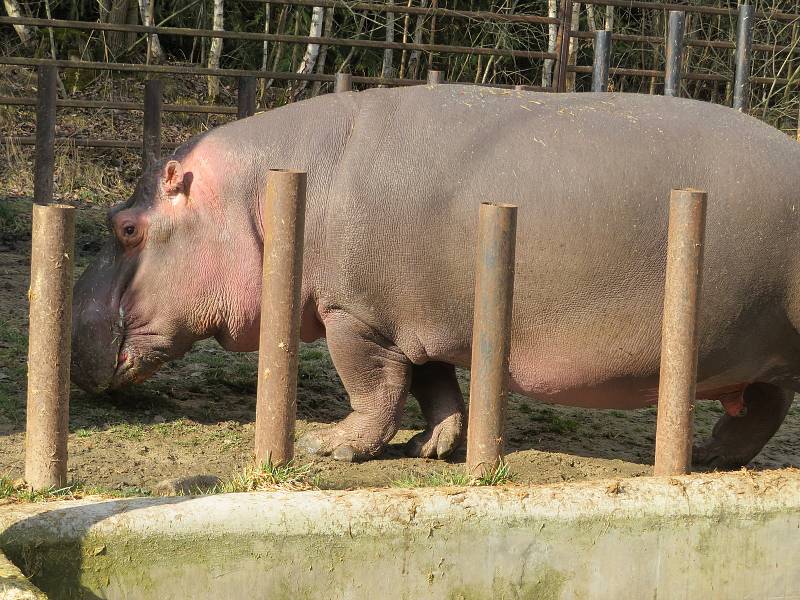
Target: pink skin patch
x=731, y=397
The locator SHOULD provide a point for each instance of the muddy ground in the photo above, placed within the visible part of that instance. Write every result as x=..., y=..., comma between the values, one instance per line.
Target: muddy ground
x=196, y=415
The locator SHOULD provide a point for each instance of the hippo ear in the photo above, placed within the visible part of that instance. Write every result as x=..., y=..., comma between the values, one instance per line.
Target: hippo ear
x=173, y=178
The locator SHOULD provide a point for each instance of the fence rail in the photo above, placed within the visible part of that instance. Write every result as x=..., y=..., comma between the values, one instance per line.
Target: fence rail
x=274, y=37
x=561, y=59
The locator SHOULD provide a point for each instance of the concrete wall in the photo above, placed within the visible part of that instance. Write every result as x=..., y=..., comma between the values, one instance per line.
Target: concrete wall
x=712, y=536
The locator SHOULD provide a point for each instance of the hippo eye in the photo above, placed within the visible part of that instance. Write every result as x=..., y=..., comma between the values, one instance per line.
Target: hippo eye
x=129, y=230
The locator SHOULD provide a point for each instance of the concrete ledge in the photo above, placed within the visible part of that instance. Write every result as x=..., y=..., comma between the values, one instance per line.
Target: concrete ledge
x=712, y=536
x=14, y=585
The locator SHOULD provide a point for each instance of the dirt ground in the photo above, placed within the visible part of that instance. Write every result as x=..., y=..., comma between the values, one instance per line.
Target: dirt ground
x=196, y=415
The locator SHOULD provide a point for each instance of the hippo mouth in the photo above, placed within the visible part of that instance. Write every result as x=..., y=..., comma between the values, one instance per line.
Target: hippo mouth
x=139, y=356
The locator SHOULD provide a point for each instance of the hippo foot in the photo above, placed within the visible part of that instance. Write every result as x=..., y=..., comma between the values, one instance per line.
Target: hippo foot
x=735, y=441
x=347, y=444
x=439, y=441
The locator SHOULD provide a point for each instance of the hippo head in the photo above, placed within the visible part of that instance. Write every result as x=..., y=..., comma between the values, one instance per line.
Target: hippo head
x=159, y=283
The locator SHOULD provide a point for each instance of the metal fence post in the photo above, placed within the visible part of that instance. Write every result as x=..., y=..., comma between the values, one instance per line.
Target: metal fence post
x=602, y=60
x=744, y=57
x=344, y=82
x=49, y=345
x=678, y=374
x=276, y=401
x=151, y=133
x=675, y=33
x=491, y=335
x=246, y=97
x=435, y=77
x=46, y=98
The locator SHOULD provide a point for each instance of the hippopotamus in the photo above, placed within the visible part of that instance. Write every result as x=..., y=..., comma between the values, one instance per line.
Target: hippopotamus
x=395, y=180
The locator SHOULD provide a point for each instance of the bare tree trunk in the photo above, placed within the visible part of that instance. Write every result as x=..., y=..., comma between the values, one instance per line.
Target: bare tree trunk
x=23, y=31
x=276, y=59
x=404, y=54
x=572, y=58
x=387, y=71
x=590, y=17
x=154, y=51
x=296, y=32
x=264, y=52
x=347, y=59
x=327, y=30
x=312, y=50
x=413, y=61
x=118, y=12
x=610, y=18
x=215, y=52
x=552, y=33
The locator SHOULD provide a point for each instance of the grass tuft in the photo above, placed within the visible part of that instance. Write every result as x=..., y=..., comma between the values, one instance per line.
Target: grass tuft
x=16, y=490
x=268, y=477
x=499, y=476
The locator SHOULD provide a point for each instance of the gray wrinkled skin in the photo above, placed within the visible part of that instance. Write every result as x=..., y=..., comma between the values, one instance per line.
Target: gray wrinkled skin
x=395, y=180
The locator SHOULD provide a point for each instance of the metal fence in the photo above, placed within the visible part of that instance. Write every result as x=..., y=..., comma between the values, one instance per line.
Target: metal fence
x=572, y=47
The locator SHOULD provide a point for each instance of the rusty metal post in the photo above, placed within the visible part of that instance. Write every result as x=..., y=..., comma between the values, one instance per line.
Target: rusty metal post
x=49, y=345
x=602, y=60
x=344, y=83
x=744, y=57
x=151, y=134
x=435, y=77
x=246, y=98
x=276, y=402
x=675, y=34
x=491, y=335
x=46, y=98
x=678, y=378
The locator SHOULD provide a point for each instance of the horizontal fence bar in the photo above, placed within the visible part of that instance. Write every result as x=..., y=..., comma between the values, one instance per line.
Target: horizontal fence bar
x=658, y=40
x=690, y=76
x=416, y=10
x=705, y=10
x=201, y=71
x=82, y=142
x=102, y=104
x=194, y=70
x=273, y=37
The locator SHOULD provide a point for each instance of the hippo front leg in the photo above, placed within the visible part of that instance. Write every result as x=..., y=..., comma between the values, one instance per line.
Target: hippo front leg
x=376, y=375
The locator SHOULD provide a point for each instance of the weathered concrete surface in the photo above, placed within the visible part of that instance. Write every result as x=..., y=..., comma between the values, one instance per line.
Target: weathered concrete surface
x=14, y=585
x=708, y=536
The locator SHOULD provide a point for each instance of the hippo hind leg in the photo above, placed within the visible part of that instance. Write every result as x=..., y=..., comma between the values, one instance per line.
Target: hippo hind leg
x=377, y=376
x=735, y=441
x=435, y=387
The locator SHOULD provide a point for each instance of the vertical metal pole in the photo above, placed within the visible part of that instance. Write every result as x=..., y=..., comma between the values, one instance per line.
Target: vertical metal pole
x=675, y=33
x=678, y=379
x=435, y=77
x=276, y=402
x=344, y=82
x=246, y=98
x=491, y=335
x=49, y=345
x=744, y=57
x=151, y=133
x=564, y=37
x=602, y=61
x=46, y=96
